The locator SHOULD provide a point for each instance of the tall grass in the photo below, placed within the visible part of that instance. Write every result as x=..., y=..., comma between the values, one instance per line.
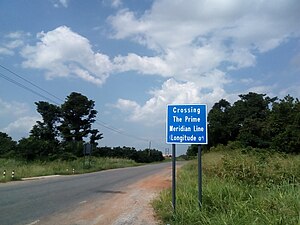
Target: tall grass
x=238, y=189
x=25, y=169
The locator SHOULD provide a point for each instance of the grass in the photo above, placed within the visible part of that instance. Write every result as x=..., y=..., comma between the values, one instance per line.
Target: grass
x=39, y=168
x=238, y=188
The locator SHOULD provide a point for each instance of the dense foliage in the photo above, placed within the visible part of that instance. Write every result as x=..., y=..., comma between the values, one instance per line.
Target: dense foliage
x=7, y=145
x=63, y=132
x=144, y=156
x=258, y=121
x=255, y=120
x=240, y=186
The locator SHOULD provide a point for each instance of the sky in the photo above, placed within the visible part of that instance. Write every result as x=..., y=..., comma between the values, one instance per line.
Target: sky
x=135, y=57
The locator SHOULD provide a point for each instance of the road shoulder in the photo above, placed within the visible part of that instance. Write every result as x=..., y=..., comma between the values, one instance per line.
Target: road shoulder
x=131, y=206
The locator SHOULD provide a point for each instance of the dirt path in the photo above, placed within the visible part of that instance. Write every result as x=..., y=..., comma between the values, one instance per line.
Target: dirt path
x=129, y=207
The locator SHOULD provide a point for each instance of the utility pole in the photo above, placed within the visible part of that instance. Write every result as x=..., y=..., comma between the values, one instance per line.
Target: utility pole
x=149, y=148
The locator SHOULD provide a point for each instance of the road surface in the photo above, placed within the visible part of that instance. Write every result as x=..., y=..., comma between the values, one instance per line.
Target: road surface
x=28, y=202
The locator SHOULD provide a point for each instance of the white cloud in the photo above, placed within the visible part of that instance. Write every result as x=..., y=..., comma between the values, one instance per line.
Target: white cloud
x=171, y=92
x=197, y=43
x=14, y=44
x=64, y=2
x=292, y=90
x=231, y=30
x=59, y=3
x=12, y=41
x=6, y=51
x=193, y=40
x=17, y=35
x=18, y=113
x=62, y=52
x=190, y=63
x=263, y=89
x=112, y=3
x=145, y=65
x=116, y=3
x=295, y=61
x=241, y=58
x=13, y=108
x=21, y=126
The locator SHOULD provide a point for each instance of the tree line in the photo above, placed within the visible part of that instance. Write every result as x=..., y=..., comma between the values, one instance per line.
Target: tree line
x=257, y=121
x=254, y=120
x=62, y=133
x=141, y=156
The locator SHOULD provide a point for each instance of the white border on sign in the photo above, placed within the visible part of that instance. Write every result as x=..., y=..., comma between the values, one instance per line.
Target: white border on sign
x=180, y=143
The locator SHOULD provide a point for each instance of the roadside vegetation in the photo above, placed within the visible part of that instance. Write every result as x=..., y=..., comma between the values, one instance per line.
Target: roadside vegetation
x=251, y=166
x=24, y=169
x=257, y=121
x=58, y=144
x=240, y=186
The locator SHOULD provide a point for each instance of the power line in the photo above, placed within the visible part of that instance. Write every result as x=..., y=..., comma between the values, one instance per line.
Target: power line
x=99, y=122
x=26, y=88
x=29, y=82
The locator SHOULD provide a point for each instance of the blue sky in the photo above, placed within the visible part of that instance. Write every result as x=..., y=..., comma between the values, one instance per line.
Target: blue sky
x=134, y=57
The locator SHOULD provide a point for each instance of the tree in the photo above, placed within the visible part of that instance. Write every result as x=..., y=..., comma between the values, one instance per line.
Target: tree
x=248, y=119
x=148, y=156
x=253, y=134
x=32, y=148
x=78, y=114
x=7, y=145
x=258, y=121
x=192, y=150
x=218, y=123
x=95, y=136
x=284, y=125
x=46, y=130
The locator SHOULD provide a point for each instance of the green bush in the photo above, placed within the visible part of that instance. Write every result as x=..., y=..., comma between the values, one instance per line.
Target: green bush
x=259, y=168
x=238, y=188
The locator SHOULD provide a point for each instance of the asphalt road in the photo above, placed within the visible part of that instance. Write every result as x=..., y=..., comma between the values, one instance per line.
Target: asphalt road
x=25, y=202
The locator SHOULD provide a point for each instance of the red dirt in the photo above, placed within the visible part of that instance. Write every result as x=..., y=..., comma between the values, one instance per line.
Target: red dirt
x=130, y=207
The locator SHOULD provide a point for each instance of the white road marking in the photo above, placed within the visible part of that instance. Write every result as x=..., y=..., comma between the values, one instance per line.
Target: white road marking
x=34, y=222
x=39, y=178
x=82, y=202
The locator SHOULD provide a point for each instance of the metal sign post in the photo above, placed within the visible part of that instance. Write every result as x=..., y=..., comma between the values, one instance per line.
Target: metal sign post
x=199, y=177
x=174, y=177
x=186, y=124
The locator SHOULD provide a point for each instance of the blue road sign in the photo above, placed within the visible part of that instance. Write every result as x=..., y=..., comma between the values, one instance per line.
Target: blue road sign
x=186, y=124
